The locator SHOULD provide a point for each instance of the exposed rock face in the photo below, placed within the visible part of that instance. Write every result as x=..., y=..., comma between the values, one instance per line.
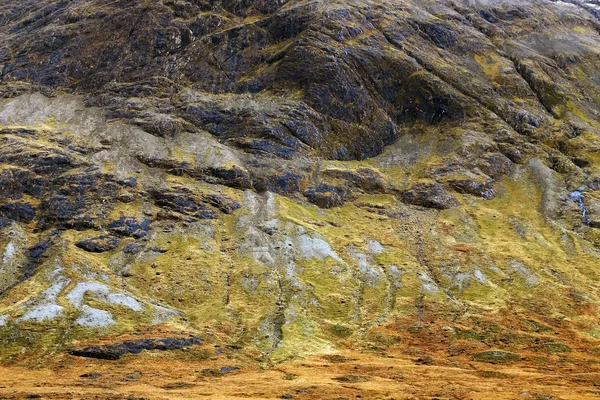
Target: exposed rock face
x=341, y=80
x=117, y=350
x=100, y=244
x=429, y=195
x=294, y=176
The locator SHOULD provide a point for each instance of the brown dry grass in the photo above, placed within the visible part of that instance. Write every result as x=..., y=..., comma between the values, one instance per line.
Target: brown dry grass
x=365, y=375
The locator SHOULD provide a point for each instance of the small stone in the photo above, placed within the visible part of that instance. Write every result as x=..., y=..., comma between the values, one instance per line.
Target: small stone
x=91, y=375
x=131, y=248
x=269, y=230
x=133, y=376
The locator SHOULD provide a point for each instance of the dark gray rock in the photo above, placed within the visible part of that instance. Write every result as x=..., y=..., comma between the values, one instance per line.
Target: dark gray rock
x=117, y=350
x=186, y=203
x=326, y=196
x=472, y=186
x=128, y=226
x=100, y=244
x=21, y=212
x=429, y=195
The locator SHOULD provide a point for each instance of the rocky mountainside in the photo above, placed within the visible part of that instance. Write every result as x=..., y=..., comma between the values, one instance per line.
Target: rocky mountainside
x=301, y=177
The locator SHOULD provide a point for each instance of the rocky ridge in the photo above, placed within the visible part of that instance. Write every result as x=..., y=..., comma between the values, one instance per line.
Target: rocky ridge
x=298, y=177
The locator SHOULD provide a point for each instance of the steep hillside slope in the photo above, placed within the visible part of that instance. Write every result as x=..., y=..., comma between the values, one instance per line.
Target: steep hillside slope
x=289, y=178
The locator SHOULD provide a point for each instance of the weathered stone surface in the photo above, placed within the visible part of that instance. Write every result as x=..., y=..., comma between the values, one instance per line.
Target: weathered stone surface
x=363, y=179
x=117, y=350
x=326, y=196
x=21, y=212
x=100, y=244
x=475, y=187
x=128, y=226
x=430, y=195
x=5, y=223
x=286, y=183
x=184, y=202
x=223, y=203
